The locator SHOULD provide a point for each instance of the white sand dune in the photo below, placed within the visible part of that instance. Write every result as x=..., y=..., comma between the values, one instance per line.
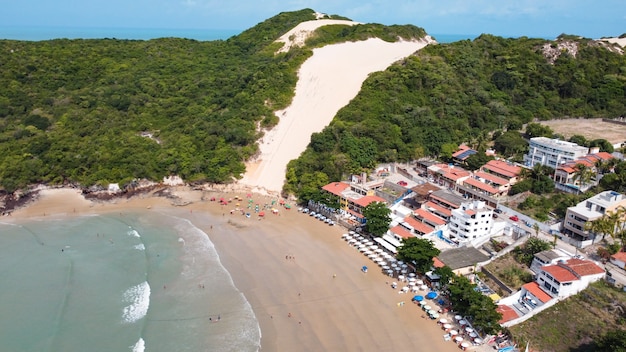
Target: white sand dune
x=327, y=81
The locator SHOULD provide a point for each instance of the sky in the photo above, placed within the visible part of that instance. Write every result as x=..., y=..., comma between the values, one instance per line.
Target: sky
x=532, y=18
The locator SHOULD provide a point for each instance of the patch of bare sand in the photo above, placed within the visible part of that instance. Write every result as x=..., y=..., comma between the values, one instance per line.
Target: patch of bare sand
x=589, y=128
x=327, y=81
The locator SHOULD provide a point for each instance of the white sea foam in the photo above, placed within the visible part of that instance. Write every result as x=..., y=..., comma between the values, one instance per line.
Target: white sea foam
x=133, y=233
x=139, y=298
x=140, y=247
x=140, y=346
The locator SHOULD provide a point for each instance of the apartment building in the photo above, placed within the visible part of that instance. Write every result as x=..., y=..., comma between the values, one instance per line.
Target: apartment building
x=471, y=222
x=589, y=210
x=552, y=152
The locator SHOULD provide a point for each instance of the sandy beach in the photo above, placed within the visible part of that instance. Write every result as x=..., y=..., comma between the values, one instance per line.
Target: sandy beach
x=353, y=312
x=302, y=280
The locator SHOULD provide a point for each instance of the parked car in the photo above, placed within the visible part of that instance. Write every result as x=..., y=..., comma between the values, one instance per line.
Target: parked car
x=499, y=211
x=514, y=218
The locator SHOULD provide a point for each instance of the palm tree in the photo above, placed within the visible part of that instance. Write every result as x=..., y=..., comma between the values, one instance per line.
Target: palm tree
x=583, y=175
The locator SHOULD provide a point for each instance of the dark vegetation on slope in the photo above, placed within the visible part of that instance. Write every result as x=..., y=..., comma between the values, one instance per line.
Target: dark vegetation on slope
x=479, y=92
x=91, y=112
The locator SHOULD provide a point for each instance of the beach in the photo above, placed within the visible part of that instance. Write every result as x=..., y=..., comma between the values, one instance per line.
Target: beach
x=285, y=266
x=303, y=282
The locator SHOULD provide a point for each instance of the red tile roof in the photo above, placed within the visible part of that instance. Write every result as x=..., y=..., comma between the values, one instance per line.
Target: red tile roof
x=428, y=216
x=365, y=201
x=491, y=178
x=438, y=263
x=419, y=226
x=536, y=291
x=438, y=208
x=470, y=212
x=482, y=186
x=621, y=256
x=508, y=313
x=584, y=267
x=401, y=231
x=559, y=273
x=503, y=168
x=336, y=187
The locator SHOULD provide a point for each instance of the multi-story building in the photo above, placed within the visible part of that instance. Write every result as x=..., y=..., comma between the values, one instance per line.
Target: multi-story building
x=589, y=210
x=470, y=223
x=567, y=278
x=552, y=152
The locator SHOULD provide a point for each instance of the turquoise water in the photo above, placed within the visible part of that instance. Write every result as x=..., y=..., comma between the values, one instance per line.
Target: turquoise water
x=47, y=33
x=132, y=282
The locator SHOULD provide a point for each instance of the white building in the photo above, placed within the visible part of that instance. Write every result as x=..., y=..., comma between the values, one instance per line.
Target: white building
x=589, y=210
x=549, y=257
x=552, y=152
x=567, y=278
x=471, y=223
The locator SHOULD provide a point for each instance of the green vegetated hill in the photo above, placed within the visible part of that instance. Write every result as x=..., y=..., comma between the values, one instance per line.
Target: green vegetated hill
x=91, y=112
x=463, y=92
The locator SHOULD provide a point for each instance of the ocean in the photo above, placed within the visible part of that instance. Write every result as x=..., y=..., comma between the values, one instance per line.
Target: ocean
x=47, y=33
x=132, y=282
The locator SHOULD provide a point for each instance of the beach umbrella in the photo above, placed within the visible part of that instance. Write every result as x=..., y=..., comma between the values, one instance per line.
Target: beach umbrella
x=427, y=307
x=423, y=303
x=473, y=335
x=412, y=279
x=364, y=268
x=447, y=326
x=386, y=267
x=469, y=330
x=464, y=345
x=478, y=340
x=418, y=298
x=458, y=338
x=463, y=322
x=373, y=246
x=419, y=282
x=378, y=250
x=351, y=232
x=401, y=277
x=431, y=295
x=453, y=332
x=400, y=262
x=434, y=315
x=404, y=271
x=423, y=287
x=405, y=289
x=412, y=275
x=443, y=321
x=458, y=317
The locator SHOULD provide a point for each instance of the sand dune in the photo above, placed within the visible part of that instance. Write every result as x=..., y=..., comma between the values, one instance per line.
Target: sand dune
x=327, y=81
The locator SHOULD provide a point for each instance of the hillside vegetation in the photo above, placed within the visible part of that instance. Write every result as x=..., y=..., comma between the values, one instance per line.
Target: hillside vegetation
x=478, y=92
x=91, y=112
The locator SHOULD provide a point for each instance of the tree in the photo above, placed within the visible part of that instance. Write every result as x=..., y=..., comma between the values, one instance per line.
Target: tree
x=418, y=251
x=445, y=274
x=538, y=130
x=582, y=175
x=377, y=218
x=470, y=302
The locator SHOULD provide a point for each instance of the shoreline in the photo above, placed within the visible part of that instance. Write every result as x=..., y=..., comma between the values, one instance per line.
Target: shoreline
x=354, y=311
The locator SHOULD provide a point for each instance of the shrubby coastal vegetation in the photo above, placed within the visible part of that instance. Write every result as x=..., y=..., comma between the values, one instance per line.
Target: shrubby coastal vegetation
x=93, y=112
x=481, y=92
